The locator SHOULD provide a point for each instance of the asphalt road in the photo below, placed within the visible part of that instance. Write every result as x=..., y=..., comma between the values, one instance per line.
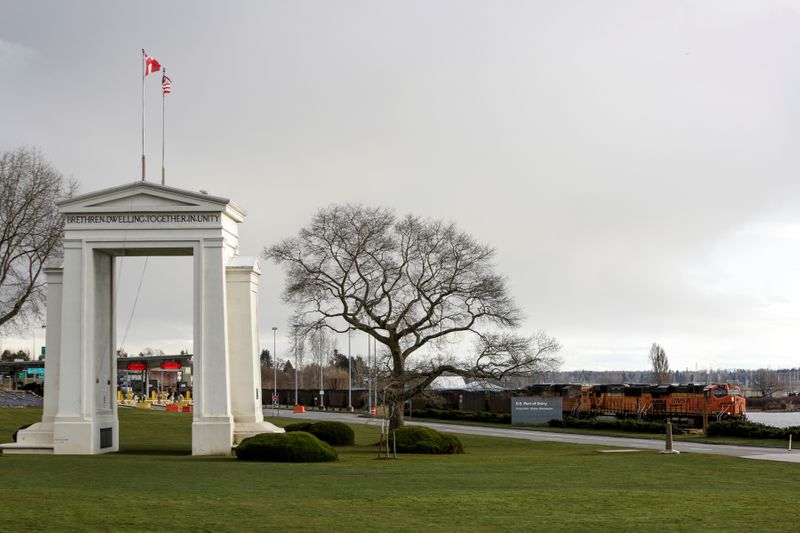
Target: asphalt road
x=746, y=452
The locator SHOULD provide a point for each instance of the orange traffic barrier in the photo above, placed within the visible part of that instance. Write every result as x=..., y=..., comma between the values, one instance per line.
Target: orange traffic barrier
x=299, y=409
x=373, y=411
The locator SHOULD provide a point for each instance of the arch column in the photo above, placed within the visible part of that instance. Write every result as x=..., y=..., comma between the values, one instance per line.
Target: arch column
x=86, y=418
x=212, y=424
x=39, y=436
x=241, y=279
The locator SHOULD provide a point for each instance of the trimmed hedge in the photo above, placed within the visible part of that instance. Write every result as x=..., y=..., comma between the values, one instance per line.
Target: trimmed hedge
x=749, y=430
x=295, y=447
x=628, y=424
x=334, y=433
x=298, y=426
x=469, y=416
x=416, y=439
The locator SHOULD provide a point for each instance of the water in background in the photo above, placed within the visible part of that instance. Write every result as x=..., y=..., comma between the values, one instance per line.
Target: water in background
x=780, y=420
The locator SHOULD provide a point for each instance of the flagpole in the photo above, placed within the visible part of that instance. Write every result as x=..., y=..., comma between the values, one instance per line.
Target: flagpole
x=143, y=73
x=163, y=74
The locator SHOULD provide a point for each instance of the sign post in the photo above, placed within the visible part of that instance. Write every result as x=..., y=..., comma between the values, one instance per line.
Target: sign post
x=275, y=399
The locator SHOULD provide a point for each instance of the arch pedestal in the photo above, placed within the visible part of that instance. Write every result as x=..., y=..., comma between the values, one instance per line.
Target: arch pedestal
x=80, y=410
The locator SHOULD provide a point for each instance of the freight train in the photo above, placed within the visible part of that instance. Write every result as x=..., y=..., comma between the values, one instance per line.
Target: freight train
x=689, y=402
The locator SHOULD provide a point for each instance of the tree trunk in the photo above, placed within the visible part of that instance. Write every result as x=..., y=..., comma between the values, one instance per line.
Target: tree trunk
x=398, y=416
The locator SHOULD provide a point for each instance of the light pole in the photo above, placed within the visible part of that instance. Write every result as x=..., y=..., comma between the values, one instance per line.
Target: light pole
x=44, y=327
x=321, y=382
x=295, y=366
x=274, y=368
x=369, y=379
x=375, y=370
x=349, y=373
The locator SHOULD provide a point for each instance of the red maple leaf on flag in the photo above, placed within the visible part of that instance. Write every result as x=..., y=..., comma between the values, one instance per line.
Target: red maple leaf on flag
x=150, y=64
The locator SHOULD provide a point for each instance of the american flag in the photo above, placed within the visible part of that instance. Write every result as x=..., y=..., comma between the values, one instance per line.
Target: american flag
x=166, y=84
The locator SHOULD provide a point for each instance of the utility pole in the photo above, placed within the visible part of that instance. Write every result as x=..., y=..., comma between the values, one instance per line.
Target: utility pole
x=369, y=378
x=349, y=373
x=274, y=368
x=295, y=365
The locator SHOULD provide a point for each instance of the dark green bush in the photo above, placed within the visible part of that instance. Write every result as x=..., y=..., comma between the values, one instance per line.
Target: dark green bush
x=470, y=416
x=453, y=443
x=628, y=424
x=294, y=447
x=749, y=430
x=298, y=426
x=334, y=433
x=417, y=439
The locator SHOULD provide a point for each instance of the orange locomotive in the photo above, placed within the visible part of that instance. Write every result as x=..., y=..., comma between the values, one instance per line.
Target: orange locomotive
x=691, y=402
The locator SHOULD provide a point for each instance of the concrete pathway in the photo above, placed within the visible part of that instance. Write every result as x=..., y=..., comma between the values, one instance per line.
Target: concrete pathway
x=746, y=452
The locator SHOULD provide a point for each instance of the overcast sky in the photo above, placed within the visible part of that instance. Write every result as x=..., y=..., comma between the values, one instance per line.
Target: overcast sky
x=635, y=164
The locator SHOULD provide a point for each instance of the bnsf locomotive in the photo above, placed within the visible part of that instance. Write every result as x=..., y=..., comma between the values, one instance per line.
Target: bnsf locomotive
x=690, y=402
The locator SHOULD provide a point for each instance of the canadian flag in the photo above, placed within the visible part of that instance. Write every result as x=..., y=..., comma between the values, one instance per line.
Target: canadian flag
x=150, y=64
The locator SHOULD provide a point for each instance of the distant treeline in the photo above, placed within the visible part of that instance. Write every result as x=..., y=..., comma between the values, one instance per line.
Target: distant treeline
x=767, y=381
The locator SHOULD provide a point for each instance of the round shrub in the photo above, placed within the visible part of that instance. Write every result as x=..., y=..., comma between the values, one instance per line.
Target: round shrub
x=298, y=426
x=334, y=433
x=453, y=444
x=294, y=447
x=417, y=439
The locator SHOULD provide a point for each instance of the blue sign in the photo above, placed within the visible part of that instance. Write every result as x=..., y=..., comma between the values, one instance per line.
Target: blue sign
x=535, y=409
x=36, y=371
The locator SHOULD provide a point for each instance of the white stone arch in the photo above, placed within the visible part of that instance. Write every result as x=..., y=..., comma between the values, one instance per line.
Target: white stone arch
x=80, y=411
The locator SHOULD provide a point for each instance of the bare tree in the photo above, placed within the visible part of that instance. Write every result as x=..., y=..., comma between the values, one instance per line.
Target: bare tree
x=320, y=343
x=30, y=229
x=767, y=382
x=659, y=363
x=407, y=283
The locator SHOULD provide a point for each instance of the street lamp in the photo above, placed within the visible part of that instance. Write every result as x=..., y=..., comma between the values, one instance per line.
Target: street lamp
x=349, y=373
x=369, y=378
x=274, y=367
x=321, y=382
x=295, y=365
x=34, y=357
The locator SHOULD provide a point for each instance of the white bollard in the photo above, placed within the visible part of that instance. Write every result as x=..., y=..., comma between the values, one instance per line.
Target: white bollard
x=668, y=447
x=790, y=442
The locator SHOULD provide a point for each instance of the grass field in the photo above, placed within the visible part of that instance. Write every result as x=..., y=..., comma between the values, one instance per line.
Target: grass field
x=677, y=436
x=498, y=485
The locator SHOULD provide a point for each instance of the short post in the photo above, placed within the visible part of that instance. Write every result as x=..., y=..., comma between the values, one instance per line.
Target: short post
x=668, y=447
x=790, y=442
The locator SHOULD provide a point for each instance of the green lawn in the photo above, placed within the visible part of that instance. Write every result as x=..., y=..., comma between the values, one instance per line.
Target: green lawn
x=677, y=436
x=498, y=485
